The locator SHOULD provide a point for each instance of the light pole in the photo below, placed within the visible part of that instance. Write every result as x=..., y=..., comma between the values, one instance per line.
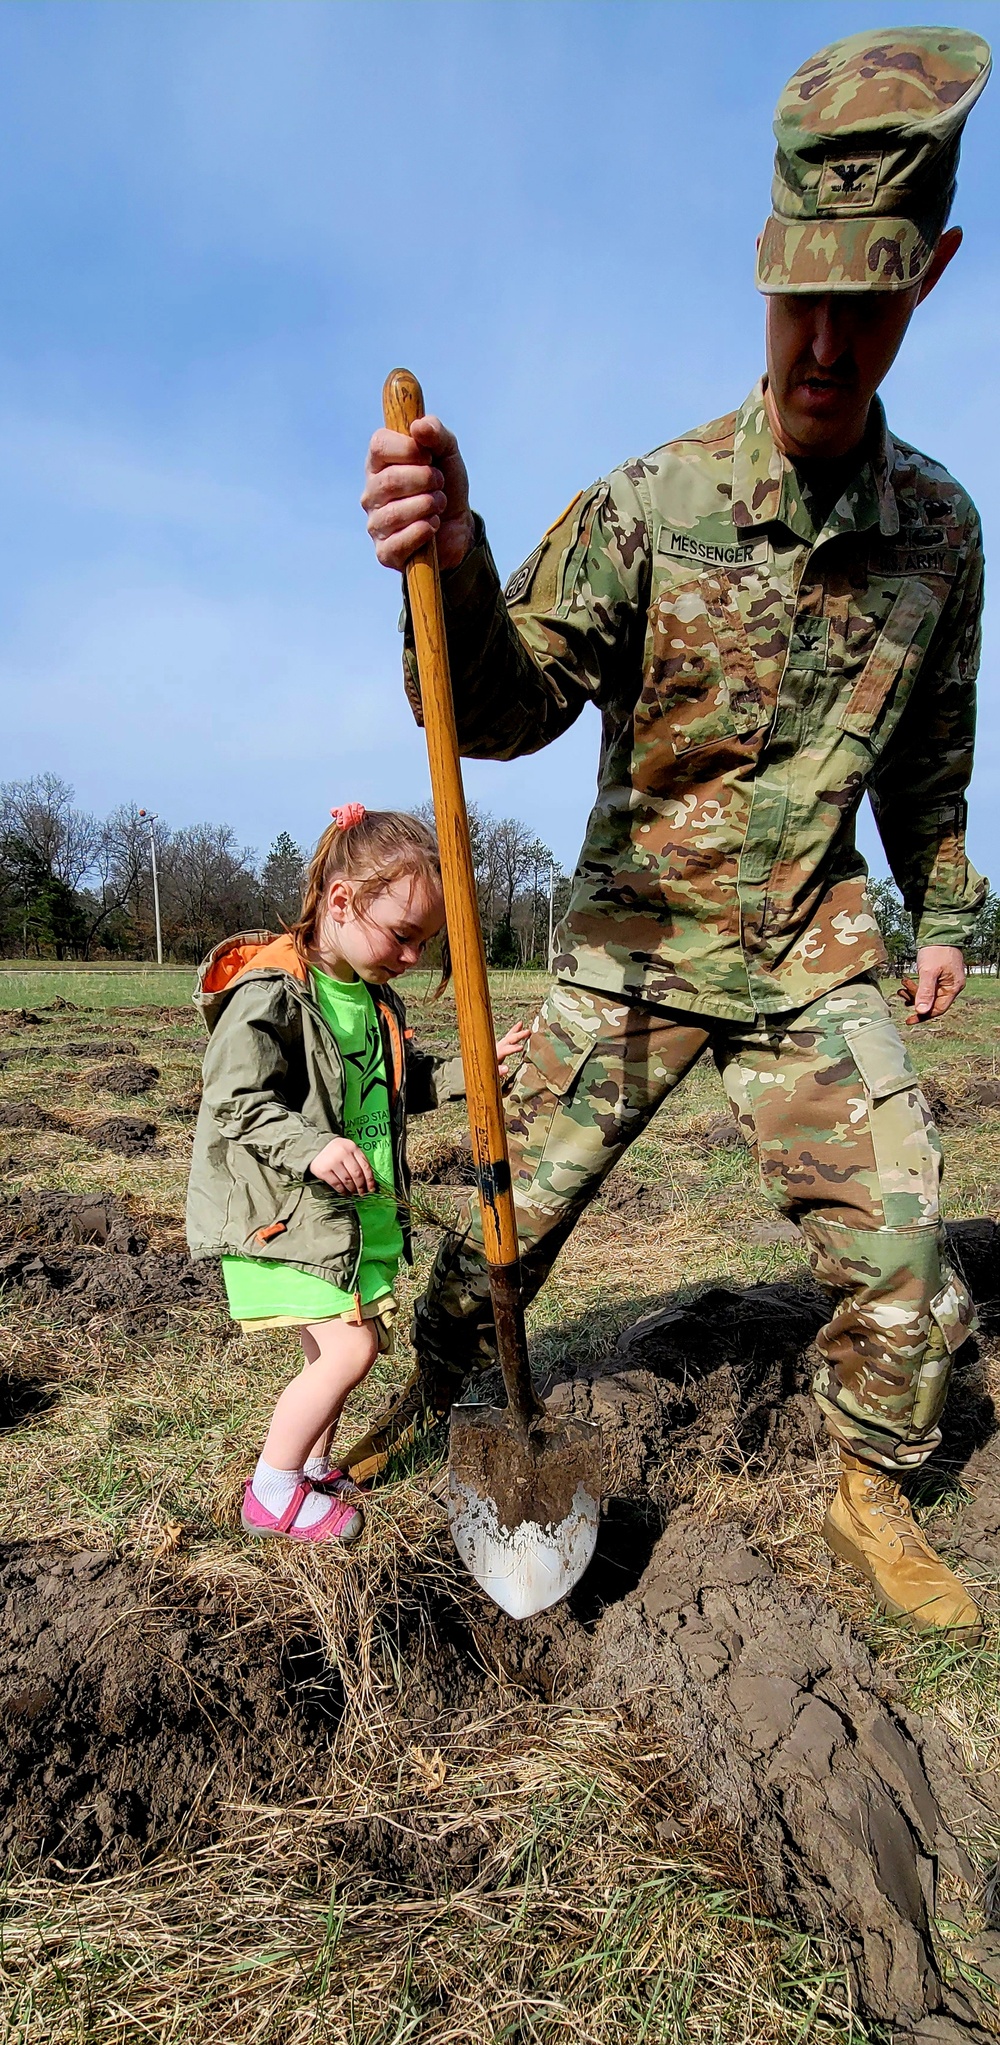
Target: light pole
x=151, y=820
x=552, y=890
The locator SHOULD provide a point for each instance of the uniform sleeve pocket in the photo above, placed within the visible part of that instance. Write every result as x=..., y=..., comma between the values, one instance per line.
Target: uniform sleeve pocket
x=894, y=659
x=882, y=1059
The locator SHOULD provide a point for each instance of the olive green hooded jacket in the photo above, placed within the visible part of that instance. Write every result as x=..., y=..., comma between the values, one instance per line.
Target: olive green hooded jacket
x=273, y=1094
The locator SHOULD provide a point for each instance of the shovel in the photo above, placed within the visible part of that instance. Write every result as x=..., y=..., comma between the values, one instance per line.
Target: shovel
x=524, y=1491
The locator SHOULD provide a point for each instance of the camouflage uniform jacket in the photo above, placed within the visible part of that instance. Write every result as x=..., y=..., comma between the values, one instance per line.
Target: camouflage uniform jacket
x=755, y=674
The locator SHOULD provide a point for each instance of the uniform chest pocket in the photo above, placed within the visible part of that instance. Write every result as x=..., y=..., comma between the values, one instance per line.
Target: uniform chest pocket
x=882, y=687
x=700, y=685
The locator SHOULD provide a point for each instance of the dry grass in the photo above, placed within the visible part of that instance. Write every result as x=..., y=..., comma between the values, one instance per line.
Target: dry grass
x=577, y=1905
x=581, y=1924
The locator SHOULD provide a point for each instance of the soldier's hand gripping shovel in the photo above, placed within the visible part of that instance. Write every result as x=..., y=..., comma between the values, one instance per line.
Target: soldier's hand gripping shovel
x=524, y=1491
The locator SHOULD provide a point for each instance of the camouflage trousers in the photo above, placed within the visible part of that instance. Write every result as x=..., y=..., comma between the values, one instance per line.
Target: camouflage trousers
x=829, y=1103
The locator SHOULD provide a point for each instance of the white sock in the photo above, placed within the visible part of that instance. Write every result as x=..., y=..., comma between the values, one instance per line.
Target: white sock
x=317, y=1467
x=274, y=1489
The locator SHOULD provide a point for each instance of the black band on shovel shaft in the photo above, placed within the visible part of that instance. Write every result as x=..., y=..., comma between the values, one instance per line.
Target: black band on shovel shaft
x=492, y=1180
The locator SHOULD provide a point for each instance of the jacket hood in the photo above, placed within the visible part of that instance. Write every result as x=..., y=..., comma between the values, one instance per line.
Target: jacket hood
x=251, y=951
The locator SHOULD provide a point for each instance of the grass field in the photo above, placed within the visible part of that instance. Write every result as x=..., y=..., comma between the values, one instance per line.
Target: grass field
x=25, y=983
x=279, y=1922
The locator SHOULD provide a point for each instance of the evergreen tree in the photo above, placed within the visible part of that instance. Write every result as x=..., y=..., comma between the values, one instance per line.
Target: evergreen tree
x=281, y=880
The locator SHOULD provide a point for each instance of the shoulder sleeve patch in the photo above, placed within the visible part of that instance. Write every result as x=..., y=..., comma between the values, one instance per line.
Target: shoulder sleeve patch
x=519, y=584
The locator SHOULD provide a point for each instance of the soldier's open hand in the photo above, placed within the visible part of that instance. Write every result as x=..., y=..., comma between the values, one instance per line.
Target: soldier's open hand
x=940, y=977
x=416, y=487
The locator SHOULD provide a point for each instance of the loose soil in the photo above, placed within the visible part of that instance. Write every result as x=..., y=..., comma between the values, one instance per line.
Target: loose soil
x=136, y=1709
x=22, y=1115
x=957, y=1098
x=131, y=1076
x=132, y=1714
x=87, y=1252
x=450, y=1164
x=128, y=1135
x=96, y=1049
x=185, y=1107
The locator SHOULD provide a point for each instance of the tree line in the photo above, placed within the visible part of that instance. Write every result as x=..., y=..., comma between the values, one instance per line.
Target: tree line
x=77, y=886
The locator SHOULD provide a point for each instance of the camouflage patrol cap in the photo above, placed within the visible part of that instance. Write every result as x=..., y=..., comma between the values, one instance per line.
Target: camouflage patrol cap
x=864, y=173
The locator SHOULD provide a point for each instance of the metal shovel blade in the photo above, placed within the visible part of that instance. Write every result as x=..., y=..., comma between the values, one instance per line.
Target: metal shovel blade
x=524, y=1513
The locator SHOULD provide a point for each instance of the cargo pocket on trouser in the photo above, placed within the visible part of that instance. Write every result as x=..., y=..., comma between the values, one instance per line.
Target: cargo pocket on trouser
x=885, y=1353
x=952, y=1322
x=565, y=1036
x=904, y=1139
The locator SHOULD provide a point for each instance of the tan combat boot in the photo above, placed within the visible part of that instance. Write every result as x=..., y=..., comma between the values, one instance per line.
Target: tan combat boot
x=421, y=1405
x=870, y=1524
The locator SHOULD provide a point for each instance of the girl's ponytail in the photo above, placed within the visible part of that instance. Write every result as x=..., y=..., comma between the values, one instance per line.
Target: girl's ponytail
x=371, y=849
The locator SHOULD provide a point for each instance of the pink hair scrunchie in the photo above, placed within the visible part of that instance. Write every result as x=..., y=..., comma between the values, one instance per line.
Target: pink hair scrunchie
x=348, y=814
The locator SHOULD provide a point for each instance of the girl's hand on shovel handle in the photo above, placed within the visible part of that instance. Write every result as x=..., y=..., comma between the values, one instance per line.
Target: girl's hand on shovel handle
x=509, y=1046
x=416, y=488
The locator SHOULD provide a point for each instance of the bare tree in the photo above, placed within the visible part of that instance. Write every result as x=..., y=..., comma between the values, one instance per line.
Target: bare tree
x=47, y=846
x=41, y=814
x=120, y=893
x=209, y=887
x=511, y=868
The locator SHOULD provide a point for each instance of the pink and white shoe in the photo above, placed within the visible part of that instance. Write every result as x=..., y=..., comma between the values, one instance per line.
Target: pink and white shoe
x=342, y=1523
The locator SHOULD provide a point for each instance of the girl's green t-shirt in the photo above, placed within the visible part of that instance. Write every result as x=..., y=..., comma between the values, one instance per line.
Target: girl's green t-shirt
x=258, y=1288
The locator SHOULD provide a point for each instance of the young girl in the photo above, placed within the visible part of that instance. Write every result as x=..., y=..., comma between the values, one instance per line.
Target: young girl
x=299, y=1150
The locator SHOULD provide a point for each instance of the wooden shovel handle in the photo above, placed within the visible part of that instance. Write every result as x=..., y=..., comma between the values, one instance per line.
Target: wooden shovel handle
x=402, y=402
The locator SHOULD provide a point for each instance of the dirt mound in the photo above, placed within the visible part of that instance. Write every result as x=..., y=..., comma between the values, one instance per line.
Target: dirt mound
x=55, y=1218
x=185, y=1107
x=957, y=1099
x=97, y=1049
x=22, y=1115
x=727, y=1374
x=722, y=1133
x=113, y=1271
x=724, y=1376
x=20, y=1018
x=848, y=1805
x=130, y=1719
x=129, y=1135
x=450, y=1165
x=59, y=1002
x=129, y=1077
x=984, y=1093
x=633, y=1199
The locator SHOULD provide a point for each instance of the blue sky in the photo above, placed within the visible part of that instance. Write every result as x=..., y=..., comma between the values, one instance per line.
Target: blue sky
x=223, y=221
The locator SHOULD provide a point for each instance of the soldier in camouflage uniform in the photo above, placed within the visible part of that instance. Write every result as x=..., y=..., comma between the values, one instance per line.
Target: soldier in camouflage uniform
x=774, y=614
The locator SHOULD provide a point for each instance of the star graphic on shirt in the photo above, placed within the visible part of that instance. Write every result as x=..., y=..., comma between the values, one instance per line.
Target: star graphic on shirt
x=367, y=1062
